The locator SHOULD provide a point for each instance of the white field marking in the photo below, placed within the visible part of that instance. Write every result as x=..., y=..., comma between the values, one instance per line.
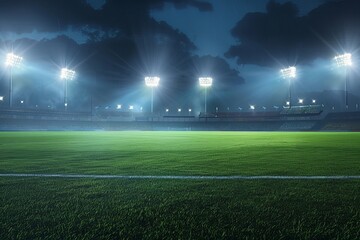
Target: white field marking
x=39, y=175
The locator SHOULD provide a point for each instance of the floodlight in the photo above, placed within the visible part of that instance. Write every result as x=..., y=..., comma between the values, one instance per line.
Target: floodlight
x=131, y=107
x=22, y=101
x=301, y=101
x=190, y=109
x=252, y=107
x=313, y=101
x=287, y=103
x=167, y=110
x=289, y=72
x=13, y=60
x=343, y=60
x=118, y=106
x=205, y=81
x=179, y=109
x=152, y=81
x=1, y=98
x=67, y=74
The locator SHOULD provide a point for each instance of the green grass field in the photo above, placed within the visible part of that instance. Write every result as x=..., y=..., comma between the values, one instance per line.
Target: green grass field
x=60, y=208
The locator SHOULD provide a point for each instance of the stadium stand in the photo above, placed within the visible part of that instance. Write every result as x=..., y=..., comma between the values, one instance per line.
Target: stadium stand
x=302, y=110
x=300, y=119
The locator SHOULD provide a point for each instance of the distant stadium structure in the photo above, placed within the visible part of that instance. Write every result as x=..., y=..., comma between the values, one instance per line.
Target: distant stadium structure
x=297, y=118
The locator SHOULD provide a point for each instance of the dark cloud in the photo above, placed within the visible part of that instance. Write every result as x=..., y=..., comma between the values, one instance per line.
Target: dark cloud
x=201, y=5
x=281, y=37
x=21, y=16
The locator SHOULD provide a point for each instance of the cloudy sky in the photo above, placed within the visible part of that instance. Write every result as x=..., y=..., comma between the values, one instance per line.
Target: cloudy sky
x=114, y=44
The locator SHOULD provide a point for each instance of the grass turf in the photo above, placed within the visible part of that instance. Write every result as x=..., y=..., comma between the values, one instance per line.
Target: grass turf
x=180, y=153
x=37, y=208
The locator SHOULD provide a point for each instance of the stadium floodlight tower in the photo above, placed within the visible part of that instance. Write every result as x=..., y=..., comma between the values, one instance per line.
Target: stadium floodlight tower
x=289, y=73
x=12, y=61
x=344, y=61
x=152, y=82
x=205, y=82
x=67, y=74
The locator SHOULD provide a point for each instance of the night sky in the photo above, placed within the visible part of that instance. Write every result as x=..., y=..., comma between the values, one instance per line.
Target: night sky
x=114, y=44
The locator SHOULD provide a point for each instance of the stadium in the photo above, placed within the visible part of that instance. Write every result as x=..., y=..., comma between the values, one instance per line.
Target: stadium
x=138, y=136
x=110, y=173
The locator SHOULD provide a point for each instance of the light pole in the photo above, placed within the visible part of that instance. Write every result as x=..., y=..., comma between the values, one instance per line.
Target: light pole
x=66, y=74
x=289, y=73
x=152, y=82
x=205, y=82
x=12, y=61
x=344, y=60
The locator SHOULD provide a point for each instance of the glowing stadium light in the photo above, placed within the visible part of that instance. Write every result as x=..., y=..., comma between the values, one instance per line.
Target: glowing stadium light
x=131, y=107
x=205, y=82
x=167, y=110
x=301, y=101
x=12, y=61
x=152, y=82
x=1, y=98
x=313, y=101
x=22, y=101
x=66, y=74
x=118, y=106
x=289, y=73
x=179, y=109
x=252, y=107
x=287, y=103
x=345, y=61
x=190, y=110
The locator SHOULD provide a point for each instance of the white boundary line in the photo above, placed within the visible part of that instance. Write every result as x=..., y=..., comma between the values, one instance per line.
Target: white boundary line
x=39, y=175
